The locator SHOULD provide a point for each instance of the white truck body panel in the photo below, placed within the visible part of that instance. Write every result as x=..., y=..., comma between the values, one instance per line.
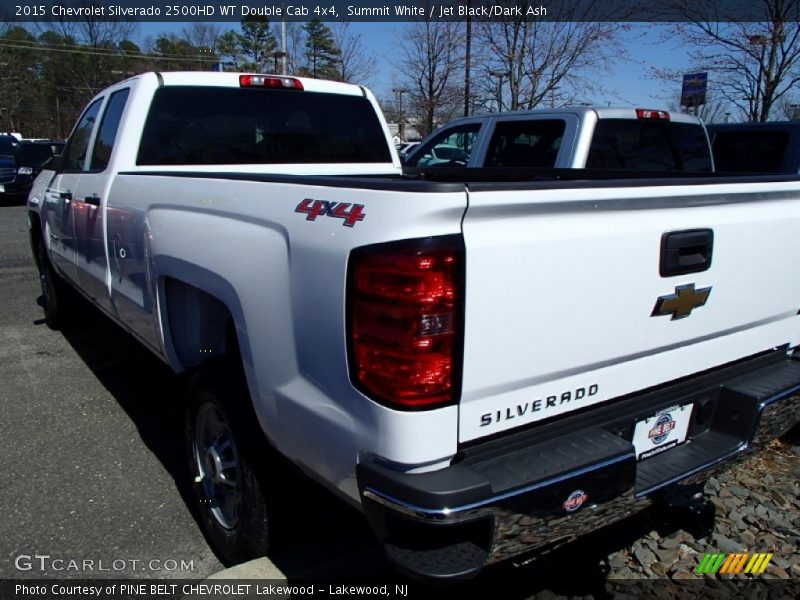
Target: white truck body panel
x=561, y=285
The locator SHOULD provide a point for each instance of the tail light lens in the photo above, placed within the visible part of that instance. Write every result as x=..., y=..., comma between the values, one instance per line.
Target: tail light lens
x=406, y=321
x=270, y=81
x=652, y=115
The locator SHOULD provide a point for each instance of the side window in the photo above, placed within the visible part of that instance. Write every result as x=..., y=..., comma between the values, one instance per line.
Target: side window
x=519, y=143
x=450, y=148
x=101, y=154
x=79, y=142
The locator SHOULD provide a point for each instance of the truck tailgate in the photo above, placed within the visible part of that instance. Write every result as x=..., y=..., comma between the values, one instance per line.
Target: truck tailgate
x=566, y=305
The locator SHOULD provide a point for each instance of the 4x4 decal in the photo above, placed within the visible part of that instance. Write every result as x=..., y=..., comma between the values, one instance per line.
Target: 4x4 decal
x=351, y=213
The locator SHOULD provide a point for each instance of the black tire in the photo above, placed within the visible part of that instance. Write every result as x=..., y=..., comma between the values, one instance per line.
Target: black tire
x=53, y=291
x=222, y=429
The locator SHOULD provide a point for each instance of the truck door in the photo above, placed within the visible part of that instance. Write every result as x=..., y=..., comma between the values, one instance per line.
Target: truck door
x=88, y=206
x=60, y=195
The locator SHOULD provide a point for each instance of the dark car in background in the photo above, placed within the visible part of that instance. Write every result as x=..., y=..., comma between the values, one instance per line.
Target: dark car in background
x=8, y=166
x=21, y=162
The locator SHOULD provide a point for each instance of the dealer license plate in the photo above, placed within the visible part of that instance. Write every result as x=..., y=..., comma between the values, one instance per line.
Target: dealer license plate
x=661, y=432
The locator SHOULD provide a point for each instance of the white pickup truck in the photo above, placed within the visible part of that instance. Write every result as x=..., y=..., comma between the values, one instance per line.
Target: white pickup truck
x=484, y=367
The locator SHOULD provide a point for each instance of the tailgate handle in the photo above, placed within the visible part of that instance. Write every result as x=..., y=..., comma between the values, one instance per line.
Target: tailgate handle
x=685, y=252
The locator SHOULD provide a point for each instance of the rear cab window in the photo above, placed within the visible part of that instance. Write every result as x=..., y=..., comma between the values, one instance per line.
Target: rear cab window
x=754, y=151
x=191, y=125
x=649, y=145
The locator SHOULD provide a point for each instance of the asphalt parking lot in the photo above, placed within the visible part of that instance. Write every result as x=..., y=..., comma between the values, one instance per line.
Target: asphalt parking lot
x=91, y=440
x=89, y=453
x=91, y=437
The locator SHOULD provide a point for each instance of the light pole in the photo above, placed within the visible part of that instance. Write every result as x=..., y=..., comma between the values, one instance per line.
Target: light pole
x=280, y=56
x=499, y=94
x=401, y=130
x=468, y=61
x=284, y=54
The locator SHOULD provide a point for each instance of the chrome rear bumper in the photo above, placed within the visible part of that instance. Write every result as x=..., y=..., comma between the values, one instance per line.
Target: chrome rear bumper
x=539, y=489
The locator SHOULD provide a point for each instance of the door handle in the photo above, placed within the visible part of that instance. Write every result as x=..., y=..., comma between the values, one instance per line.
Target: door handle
x=94, y=200
x=685, y=252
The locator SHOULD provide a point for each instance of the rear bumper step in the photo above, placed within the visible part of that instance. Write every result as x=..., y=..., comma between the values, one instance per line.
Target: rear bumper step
x=546, y=486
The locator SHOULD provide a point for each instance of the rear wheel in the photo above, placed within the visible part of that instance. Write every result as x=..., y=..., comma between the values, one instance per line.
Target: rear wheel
x=228, y=458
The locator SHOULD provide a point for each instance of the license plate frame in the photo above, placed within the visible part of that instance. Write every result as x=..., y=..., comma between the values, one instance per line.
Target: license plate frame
x=662, y=431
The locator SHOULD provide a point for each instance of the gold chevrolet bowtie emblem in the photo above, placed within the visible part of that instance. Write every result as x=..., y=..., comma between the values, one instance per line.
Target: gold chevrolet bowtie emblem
x=682, y=302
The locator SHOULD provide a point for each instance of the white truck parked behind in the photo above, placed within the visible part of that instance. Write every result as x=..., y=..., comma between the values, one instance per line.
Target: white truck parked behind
x=484, y=364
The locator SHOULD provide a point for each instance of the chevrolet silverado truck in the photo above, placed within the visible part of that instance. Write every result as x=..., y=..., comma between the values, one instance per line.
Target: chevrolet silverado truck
x=484, y=365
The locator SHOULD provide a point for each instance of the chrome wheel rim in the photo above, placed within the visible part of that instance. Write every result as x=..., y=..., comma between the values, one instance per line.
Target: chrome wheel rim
x=217, y=462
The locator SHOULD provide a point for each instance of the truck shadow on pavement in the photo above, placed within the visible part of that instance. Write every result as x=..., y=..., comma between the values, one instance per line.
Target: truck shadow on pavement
x=318, y=535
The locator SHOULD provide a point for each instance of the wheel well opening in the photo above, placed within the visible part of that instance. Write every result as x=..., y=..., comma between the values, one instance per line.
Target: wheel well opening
x=200, y=326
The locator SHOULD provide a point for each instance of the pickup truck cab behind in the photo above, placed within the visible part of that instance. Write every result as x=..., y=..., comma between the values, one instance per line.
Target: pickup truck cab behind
x=569, y=138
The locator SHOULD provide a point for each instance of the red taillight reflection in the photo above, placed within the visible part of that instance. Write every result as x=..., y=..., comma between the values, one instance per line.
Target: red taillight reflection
x=406, y=321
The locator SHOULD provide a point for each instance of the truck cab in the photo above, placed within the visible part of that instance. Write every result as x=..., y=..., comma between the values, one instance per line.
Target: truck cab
x=570, y=138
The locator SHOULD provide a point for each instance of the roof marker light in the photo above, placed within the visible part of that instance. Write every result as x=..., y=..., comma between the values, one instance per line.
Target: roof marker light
x=654, y=115
x=270, y=81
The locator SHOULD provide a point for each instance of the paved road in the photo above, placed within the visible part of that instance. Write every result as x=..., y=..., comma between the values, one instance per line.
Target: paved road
x=91, y=440
x=91, y=455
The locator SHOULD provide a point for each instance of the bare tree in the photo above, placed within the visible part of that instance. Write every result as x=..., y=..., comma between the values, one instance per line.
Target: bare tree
x=202, y=35
x=526, y=63
x=100, y=61
x=432, y=65
x=755, y=64
x=356, y=63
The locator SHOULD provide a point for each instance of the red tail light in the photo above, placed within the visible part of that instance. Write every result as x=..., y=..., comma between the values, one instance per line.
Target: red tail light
x=406, y=321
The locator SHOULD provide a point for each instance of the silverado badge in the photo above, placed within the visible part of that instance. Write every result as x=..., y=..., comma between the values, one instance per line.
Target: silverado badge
x=682, y=302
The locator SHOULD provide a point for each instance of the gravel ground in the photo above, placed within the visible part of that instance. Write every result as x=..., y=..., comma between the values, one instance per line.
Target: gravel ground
x=757, y=510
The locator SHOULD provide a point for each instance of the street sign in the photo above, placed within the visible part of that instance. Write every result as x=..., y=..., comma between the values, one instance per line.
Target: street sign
x=693, y=92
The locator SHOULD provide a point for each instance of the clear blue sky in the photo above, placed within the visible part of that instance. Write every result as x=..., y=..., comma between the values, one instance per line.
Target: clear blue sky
x=630, y=83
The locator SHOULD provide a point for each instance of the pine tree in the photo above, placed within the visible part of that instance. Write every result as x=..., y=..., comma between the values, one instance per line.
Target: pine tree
x=252, y=49
x=322, y=54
